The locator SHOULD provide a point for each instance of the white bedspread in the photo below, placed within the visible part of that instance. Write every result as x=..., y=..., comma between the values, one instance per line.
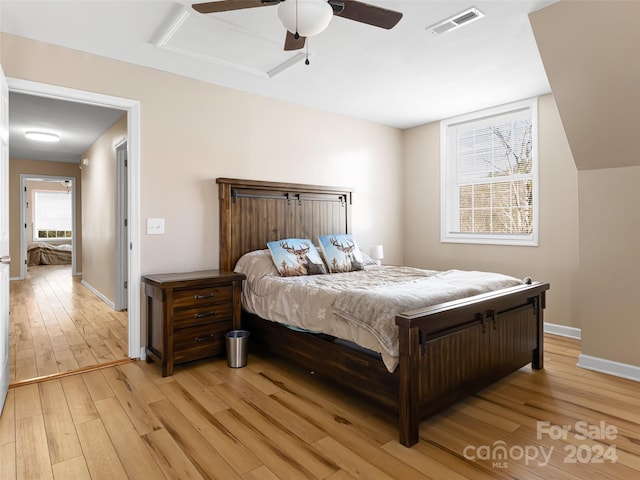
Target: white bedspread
x=357, y=306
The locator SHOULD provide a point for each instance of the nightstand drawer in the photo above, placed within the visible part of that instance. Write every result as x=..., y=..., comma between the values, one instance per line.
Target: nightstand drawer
x=201, y=341
x=202, y=296
x=218, y=312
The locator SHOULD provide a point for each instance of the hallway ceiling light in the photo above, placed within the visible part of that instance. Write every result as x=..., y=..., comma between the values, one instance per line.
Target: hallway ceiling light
x=42, y=136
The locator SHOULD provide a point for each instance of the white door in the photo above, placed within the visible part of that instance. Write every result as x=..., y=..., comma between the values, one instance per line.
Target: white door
x=4, y=238
x=122, y=228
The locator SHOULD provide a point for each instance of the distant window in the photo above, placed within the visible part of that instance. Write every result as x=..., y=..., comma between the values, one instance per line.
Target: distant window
x=52, y=215
x=489, y=176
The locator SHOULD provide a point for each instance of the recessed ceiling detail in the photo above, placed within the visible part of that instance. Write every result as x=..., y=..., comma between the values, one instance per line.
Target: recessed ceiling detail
x=208, y=38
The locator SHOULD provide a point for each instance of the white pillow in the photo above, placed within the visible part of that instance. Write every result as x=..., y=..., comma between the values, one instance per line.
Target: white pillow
x=256, y=264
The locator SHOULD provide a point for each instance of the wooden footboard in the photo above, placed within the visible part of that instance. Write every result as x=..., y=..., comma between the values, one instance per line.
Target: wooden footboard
x=452, y=350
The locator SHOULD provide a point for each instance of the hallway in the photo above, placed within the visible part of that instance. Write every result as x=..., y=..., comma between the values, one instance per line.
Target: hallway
x=58, y=325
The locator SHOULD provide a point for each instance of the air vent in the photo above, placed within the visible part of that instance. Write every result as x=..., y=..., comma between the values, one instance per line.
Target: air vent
x=462, y=18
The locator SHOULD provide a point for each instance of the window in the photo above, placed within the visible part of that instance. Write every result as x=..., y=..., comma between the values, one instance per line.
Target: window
x=51, y=215
x=489, y=176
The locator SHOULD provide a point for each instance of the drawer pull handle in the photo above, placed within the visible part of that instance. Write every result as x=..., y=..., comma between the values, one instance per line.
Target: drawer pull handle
x=208, y=295
x=202, y=315
x=205, y=338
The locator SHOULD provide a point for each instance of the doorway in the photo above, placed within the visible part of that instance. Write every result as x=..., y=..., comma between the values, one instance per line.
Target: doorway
x=131, y=254
x=58, y=230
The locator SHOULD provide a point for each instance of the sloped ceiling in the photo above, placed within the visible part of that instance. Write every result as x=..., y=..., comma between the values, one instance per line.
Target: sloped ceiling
x=591, y=54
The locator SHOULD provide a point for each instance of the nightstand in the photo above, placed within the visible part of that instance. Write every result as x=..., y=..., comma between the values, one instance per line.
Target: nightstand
x=188, y=314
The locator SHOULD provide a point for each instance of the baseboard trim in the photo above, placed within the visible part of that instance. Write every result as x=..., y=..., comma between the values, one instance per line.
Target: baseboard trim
x=98, y=294
x=563, y=330
x=623, y=370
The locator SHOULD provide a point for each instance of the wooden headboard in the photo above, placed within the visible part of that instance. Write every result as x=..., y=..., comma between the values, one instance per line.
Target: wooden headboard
x=254, y=212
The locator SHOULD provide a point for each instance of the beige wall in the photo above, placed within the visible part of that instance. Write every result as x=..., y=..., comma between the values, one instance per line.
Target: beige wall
x=216, y=132
x=193, y=132
x=34, y=167
x=609, y=263
x=555, y=260
x=99, y=210
x=593, y=69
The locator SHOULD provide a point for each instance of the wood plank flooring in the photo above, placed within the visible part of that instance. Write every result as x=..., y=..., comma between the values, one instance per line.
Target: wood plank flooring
x=57, y=325
x=270, y=421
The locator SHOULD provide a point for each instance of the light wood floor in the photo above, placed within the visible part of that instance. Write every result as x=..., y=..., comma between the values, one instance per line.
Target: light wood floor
x=56, y=325
x=268, y=421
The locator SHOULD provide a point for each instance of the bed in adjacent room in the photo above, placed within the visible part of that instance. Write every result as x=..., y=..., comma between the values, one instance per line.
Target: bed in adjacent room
x=43, y=253
x=415, y=341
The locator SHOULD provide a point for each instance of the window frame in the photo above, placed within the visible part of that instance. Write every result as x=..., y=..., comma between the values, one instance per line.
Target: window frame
x=38, y=238
x=449, y=186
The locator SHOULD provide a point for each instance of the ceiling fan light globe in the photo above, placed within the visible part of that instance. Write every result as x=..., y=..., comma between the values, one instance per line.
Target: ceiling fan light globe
x=305, y=17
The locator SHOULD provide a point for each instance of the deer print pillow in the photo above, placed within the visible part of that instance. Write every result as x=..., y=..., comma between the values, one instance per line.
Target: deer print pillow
x=341, y=253
x=296, y=256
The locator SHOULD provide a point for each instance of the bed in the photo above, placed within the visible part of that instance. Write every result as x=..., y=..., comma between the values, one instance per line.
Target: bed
x=43, y=253
x=446, y=351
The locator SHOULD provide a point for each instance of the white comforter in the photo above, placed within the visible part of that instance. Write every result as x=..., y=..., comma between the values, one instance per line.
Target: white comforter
x=358, y=306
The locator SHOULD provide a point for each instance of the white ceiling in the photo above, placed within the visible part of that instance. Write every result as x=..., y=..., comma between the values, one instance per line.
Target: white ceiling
x=78, y=125
x=402, y=77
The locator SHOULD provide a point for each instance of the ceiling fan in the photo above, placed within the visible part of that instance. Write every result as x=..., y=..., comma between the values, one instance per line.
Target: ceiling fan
x=305, y=18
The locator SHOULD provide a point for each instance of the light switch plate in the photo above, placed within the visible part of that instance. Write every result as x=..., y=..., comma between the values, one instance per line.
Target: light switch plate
x=155, y=226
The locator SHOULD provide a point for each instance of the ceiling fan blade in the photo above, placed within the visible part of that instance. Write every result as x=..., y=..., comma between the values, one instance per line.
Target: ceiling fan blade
x=227, y=5
x=366, y=13
x=293, y=43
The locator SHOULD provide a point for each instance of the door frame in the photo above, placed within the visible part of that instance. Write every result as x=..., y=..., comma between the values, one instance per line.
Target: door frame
x=24, y=178
x=5, y=258
x=132, y=107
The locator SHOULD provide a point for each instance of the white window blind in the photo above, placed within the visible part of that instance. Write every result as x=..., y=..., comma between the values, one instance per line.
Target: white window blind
x=489, y=183
x=52, y=213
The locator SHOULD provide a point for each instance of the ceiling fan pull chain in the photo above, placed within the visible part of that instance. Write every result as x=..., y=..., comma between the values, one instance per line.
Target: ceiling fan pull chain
x=306, y=60
x=296, y=35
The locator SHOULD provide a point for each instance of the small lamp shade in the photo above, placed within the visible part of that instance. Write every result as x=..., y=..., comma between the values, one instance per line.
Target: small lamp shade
x=377, y=253
x=305, y=17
